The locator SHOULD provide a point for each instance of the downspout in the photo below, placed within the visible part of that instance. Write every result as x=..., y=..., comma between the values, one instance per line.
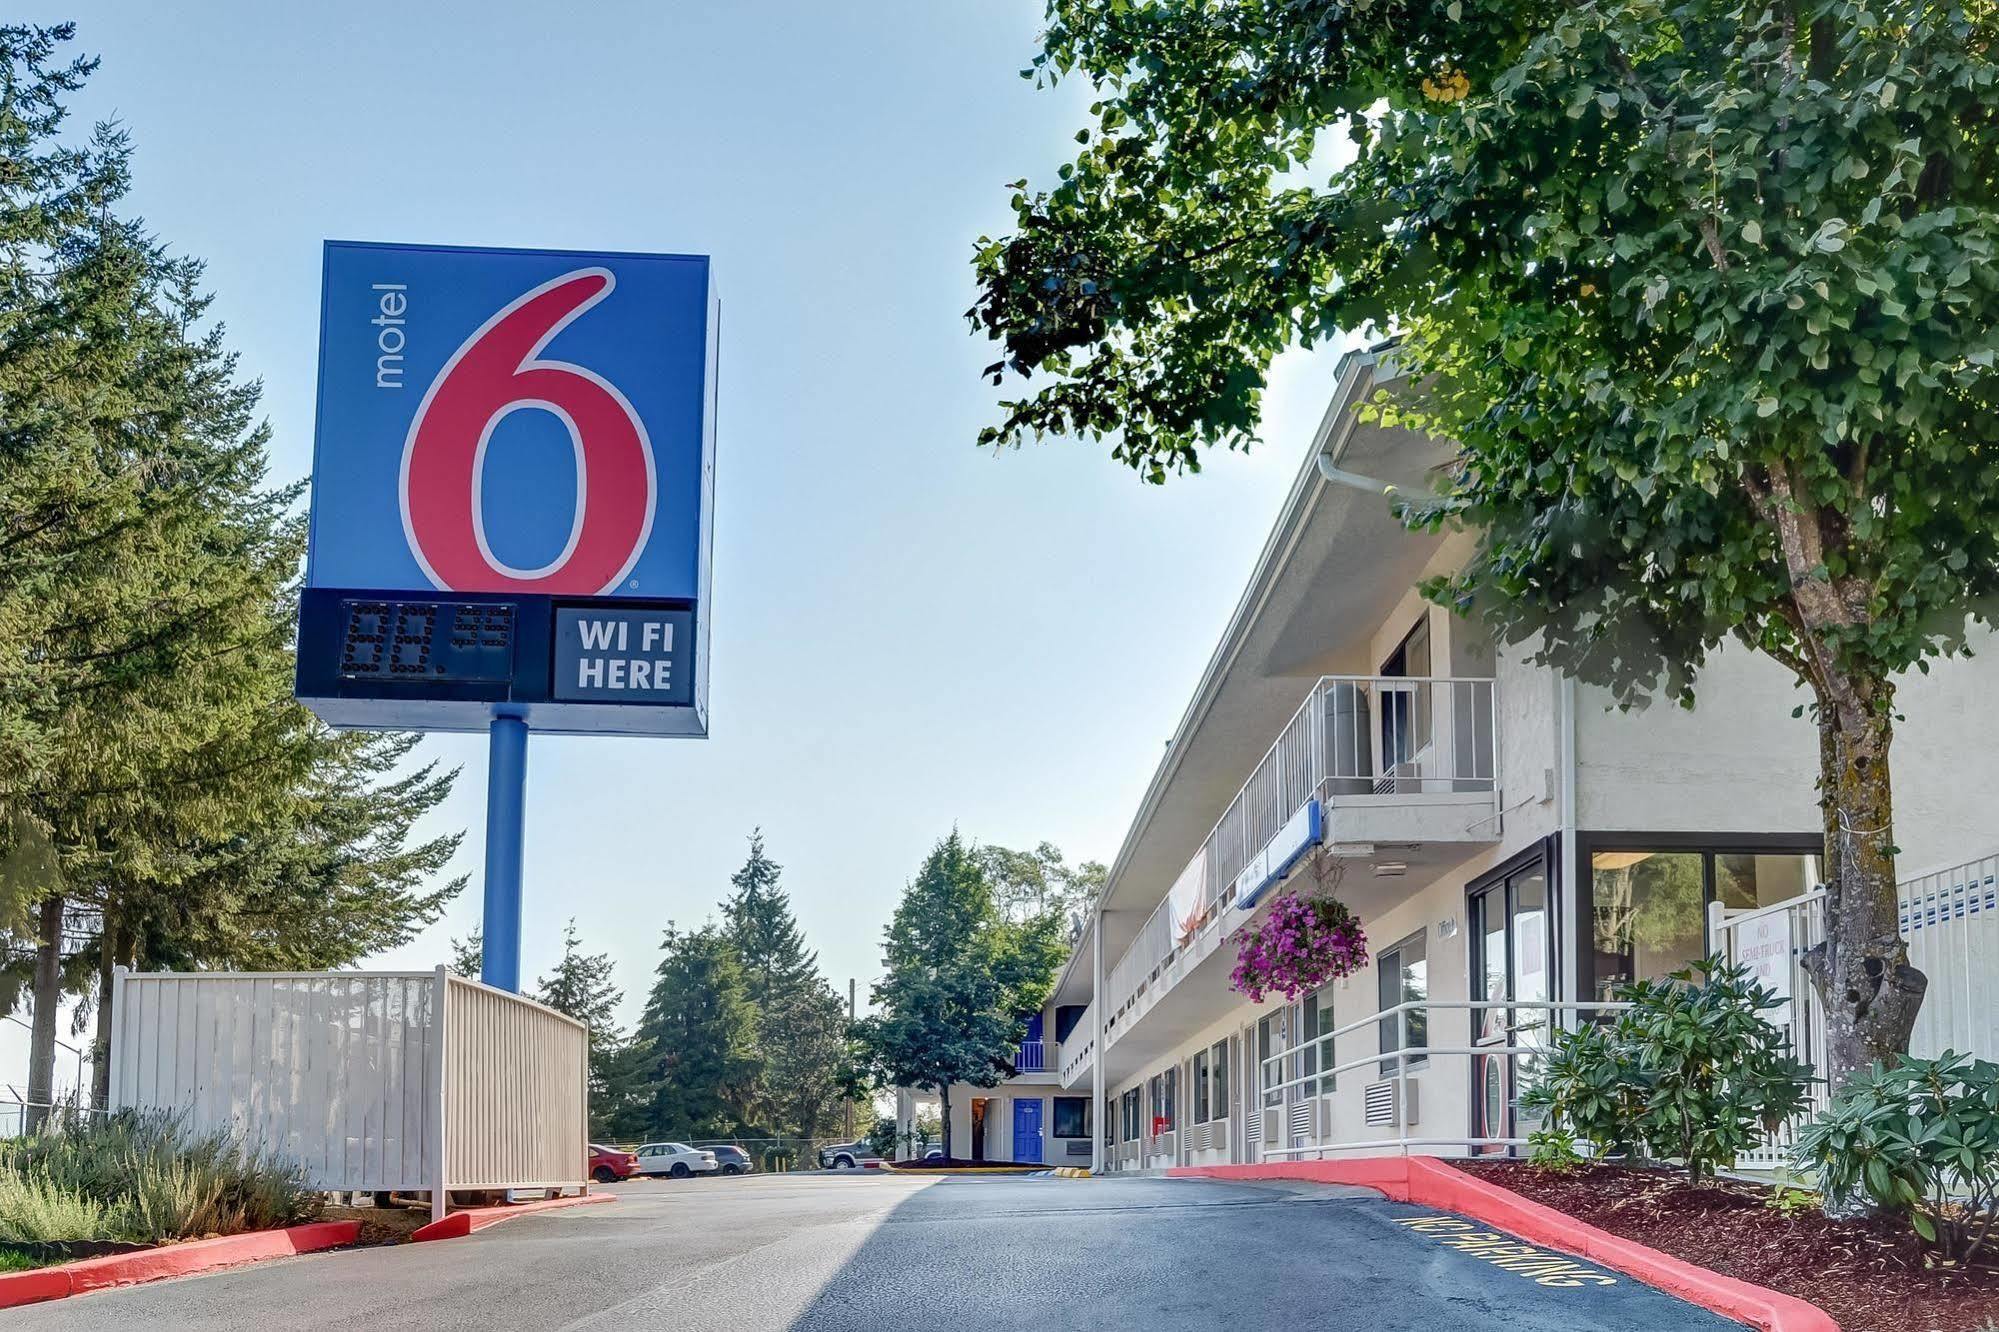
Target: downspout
x=1098, y=1117
x=1571, y=872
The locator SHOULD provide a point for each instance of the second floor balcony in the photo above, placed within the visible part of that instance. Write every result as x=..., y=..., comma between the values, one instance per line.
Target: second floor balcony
x=1037, y=1057
x=1397, y=768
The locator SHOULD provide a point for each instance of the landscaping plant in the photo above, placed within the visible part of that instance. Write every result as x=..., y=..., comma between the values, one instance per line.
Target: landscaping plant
x=1690, y=1071
x=143, y=1178
x=1920, y=1140
x=1302, y=943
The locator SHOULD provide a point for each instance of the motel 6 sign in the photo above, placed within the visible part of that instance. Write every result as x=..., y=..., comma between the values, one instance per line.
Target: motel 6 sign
x=512, y=485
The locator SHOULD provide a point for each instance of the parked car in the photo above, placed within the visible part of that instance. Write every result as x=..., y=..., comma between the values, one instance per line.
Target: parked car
x=609, y=1164
x=676, y=1159
x=847, y=1155
x=733, y=1160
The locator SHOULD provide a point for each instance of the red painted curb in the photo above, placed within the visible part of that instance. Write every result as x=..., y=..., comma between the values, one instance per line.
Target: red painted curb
x=1434, y=1182
x=129, y=1269
x=455, y=1225
x=32, y=1287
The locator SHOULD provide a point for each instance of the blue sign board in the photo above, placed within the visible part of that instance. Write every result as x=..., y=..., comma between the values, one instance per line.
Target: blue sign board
x=1300, y=833
x=510, y=442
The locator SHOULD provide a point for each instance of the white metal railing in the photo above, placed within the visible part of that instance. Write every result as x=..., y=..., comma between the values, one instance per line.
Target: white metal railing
x=1081, y=1047
x=1139, y=966
x=1951, y=921
x=1372, y=736
x=1037, y=1057
x=1772, y=941
x=1501, y=1048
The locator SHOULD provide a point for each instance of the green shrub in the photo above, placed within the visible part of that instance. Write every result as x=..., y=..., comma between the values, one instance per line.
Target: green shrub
x=1590, y=1089
x=144, y=1178
x=779, y=1158
x=1553, y=1149
x=1920, y=1140
x=1691, y=1071
x=35, y=1209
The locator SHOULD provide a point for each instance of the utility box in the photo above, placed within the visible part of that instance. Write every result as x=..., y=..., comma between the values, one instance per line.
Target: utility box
x=373, y=1081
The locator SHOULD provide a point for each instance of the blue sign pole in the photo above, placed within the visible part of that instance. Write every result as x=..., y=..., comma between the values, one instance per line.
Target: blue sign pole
x=506, y=810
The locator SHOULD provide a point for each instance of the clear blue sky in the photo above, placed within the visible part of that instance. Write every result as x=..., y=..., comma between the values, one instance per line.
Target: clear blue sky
x=910, y=633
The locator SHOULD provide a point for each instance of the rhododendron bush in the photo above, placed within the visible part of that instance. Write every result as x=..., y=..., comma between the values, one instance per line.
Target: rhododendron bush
x=1302, y=943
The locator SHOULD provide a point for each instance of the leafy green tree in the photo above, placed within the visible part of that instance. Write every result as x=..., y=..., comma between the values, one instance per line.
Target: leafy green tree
x=1705, y=292
x=699, y=1033
x=800, y=1020
x=959, y=977
x=1032, y=883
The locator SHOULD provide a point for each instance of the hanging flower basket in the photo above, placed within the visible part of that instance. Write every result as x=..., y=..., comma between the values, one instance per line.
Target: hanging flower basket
x=1300, y=945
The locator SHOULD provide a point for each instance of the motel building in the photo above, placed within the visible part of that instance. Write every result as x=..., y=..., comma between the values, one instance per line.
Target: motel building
x=1514, y=847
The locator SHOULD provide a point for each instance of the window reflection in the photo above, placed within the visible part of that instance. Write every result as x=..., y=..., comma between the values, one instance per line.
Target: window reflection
x=1744, y=882
x=1649, y=908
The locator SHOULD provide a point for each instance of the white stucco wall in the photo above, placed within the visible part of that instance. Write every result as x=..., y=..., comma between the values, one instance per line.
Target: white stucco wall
x=1740, y=762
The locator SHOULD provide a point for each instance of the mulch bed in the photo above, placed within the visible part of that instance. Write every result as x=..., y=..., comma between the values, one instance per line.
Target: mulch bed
x=1869, y=1274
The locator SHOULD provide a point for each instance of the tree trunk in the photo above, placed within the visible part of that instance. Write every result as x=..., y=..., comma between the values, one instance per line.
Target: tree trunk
x=1869, y=991
x=100, y=1064
x=944, y=1099
x=48, y=997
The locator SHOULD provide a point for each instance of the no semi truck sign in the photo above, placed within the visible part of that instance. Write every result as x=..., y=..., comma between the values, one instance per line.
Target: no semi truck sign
x=512, y=485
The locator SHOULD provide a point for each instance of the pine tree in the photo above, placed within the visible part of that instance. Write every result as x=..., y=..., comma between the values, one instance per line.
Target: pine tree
x=468, y=955
x=180, y=807
x=959, y=975
x=699, y=1033
x=800, y=1020
x=581, y=986
x=759, y=924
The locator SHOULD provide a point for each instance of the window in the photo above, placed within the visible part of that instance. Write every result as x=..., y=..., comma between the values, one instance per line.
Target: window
x=1402, y=976
x=1131, y=1133
x=1160, y=1102
x=1200, y=1087
x=1218, y=1073
x=1314, y=1021
x=1743, y=882
x=1071, y=1118
x=1270, y=1042
x=1405, y=719
x=1649, y=907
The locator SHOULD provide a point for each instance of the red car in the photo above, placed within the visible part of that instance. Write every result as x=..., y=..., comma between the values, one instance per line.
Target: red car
x=608, y=1164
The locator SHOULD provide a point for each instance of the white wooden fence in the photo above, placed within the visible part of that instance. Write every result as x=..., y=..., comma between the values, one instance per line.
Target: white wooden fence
x=374, y=1081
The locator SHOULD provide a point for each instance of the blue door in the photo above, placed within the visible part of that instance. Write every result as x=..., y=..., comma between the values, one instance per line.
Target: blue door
x=1027, y=1130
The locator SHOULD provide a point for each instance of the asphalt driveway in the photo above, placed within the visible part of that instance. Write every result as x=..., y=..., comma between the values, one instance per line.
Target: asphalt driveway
x=829, y=1253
